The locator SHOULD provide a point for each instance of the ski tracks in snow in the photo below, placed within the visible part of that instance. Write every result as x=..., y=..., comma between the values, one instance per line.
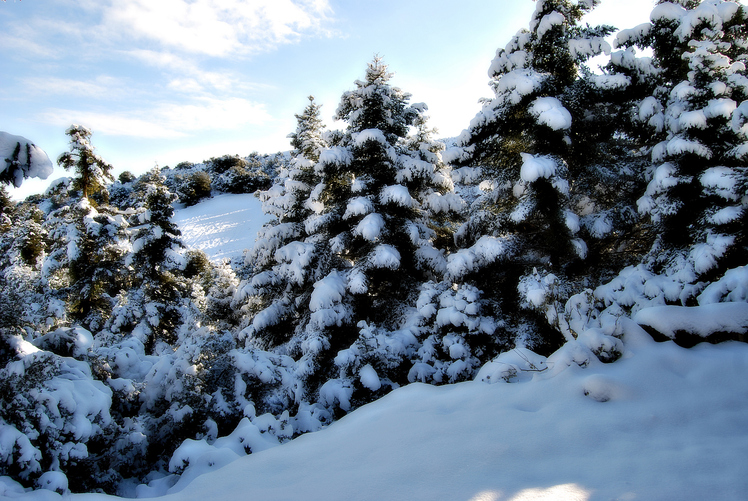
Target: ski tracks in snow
x=222, y=226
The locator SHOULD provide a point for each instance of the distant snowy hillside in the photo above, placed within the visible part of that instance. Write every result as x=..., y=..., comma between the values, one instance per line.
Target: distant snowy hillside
x=222, y=226
x=662, y=423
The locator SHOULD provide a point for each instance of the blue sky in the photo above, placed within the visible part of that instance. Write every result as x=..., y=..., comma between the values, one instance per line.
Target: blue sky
x=162, y=81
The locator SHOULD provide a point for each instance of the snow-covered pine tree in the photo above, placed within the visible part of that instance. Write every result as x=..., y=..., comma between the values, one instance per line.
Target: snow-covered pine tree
x=528, y=140
x=697, y=117
x=92, y=171
x=367, y=245
x=96, y=250
x=308, y=140
x=288, y=200
x=6, y=209
x=84, y=264
x=157, y=261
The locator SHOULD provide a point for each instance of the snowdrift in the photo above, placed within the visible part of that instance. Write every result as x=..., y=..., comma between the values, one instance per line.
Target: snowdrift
x=664, y=422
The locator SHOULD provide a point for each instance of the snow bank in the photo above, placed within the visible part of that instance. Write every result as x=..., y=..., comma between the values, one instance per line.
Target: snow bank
x=663, y=422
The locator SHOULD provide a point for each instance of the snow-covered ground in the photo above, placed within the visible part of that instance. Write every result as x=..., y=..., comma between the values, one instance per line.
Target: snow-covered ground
x=662, y=423
x=222, y=226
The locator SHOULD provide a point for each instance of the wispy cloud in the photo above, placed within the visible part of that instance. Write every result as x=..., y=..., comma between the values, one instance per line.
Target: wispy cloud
x=100, y=87
x=218, y=28
x=187, y=76
x=165, y=120
x=160, y=29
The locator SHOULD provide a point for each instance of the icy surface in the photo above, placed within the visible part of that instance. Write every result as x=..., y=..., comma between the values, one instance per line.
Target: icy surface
x=223, y=226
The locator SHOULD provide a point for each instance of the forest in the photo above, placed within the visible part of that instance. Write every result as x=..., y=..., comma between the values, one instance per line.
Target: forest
x=581, y=195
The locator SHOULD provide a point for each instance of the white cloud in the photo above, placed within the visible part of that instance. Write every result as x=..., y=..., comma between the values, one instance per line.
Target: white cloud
x=216, y=27
x=166, y=120
x=191, y=78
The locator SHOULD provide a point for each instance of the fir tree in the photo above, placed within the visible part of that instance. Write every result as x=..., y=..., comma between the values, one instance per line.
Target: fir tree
x=528, y=140
x=307, y=140
x=367, y=246
x=158, y=263
x=288, y=199
x=697, y=183
x=91, y=169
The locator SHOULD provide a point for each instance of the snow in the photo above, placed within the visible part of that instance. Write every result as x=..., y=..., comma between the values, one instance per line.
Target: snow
x=358, y=206
x=34, y=162
x=664, y=422
x=700, y=320
x=720, y=108
x=335, y=155
x=222, y=226
x=327, y=292
x=549, y=111
x=375, y=135
x=722, y=179
x=667, y=11
x=486, y=250
x=733, y=286
x=519, y=83
x=726, y=215
x=535, y=167
x=555, y=18
x=692, y=119
x=369, y=378
x=397, y=194
x=385, y=256
x=370, y=227
x=678, y=146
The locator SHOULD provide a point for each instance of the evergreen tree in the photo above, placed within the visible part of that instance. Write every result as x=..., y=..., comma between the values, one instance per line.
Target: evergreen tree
x=6, y=209
x=529, y=140
x=83, y=263
x=367, y=246
x=160, y=288
x=307, y=140
x=288, y=199
x=696, y=117
x=97, y=245
x=91, y=169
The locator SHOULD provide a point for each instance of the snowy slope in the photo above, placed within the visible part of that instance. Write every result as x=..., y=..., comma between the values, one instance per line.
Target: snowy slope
x=222, y=226
x=662, y=423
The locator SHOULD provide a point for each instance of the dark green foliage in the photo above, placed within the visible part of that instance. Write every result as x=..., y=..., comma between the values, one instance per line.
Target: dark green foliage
x=196, y=187
x=126, y=177
x=219, y=165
